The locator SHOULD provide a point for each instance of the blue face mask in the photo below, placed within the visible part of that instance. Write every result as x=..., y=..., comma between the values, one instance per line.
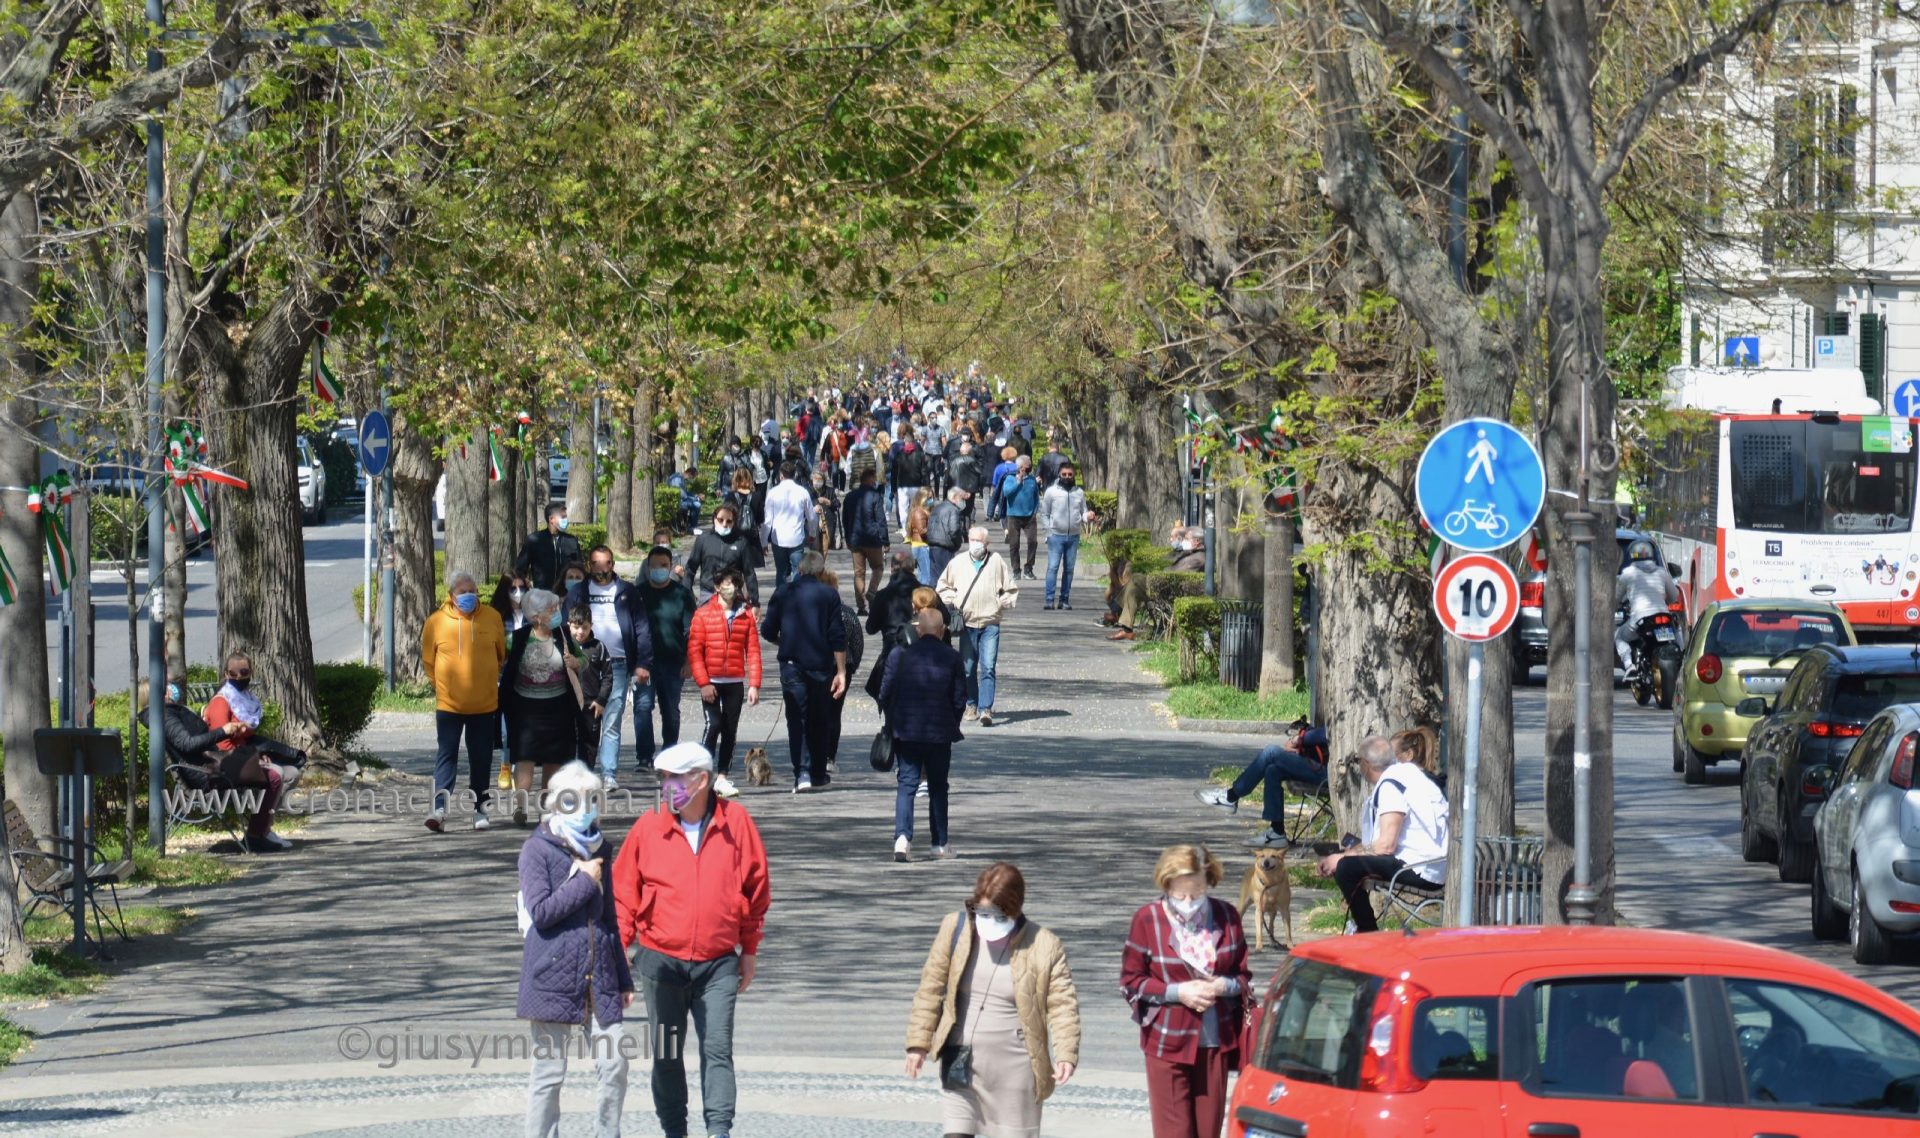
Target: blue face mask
x=583, y=822
x=553, y=619
x=658, y=575
x=173, y=693
x=466, y=602
x=562, y=523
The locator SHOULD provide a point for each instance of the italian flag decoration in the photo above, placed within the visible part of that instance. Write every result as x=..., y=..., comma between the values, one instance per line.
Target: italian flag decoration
x=53, y=494
x=9, y=584
x=186, y=462
x=523, y=427
x=324, y=384
x=496, y=462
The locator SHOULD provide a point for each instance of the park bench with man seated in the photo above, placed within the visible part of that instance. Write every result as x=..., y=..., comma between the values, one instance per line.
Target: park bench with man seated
x=47, y=873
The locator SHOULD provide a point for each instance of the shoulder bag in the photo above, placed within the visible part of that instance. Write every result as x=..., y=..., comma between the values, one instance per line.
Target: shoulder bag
x=956, y=1059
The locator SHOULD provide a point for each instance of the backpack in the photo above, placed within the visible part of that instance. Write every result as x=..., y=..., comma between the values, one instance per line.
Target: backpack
x=910, y=469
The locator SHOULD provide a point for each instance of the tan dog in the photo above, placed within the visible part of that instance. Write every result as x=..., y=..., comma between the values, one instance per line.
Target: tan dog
x=1271, y=890
x=759, y=770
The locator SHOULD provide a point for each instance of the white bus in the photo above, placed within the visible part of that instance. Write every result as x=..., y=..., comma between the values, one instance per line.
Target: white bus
x=1812, y=501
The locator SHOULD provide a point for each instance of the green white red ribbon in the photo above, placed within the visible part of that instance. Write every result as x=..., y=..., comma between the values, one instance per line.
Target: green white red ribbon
x=9, y=584
x=325, y=385
x=186, y=461
x=49, y=500
x=496, y=462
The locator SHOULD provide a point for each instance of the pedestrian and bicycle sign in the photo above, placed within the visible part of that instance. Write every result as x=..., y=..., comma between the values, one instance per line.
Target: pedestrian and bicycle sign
x=376, y=439
x=1480, y=484
x=1476, y=597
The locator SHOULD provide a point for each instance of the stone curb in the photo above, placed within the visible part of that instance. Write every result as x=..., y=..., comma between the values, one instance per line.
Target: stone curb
x=1231, y=726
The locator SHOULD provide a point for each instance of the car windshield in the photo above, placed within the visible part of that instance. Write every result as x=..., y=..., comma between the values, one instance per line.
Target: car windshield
x=1863, y=697
x=1770, y=633
x=1806, y=476
x=1317, y=1018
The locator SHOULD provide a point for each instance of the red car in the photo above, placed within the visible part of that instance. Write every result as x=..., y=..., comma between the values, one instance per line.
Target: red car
x=1557, y=1033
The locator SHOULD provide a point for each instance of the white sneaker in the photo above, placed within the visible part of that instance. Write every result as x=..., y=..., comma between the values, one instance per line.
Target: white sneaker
x=437, y=819
x=803, y=784
x=922, y=791
x=274, y=841
x=1217, y=796
x=986, y=718
x=723, y=786
x=902, y=849
x=943, y=852
x=481, y=821
x=608, y=784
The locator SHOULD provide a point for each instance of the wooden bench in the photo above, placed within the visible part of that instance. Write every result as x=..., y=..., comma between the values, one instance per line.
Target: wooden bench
x=47, y=875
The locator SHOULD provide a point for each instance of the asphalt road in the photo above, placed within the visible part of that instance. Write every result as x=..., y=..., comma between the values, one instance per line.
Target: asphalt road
x=333, y=569
x=1677, y=847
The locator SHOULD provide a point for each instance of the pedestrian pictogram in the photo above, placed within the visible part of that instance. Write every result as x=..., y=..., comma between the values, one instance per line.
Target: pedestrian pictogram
x=1480, y=484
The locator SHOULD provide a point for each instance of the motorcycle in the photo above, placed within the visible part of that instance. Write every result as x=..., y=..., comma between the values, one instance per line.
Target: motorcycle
x=1653, y=668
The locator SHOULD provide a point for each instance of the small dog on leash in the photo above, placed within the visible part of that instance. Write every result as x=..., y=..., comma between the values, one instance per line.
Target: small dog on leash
x=759, y=770
x=1271, y=890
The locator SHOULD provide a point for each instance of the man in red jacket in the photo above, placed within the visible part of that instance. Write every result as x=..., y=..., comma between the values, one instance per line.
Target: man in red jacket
x=690, y=889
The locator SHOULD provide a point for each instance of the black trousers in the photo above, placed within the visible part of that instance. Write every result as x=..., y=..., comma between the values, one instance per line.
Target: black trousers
x=723, y=723
x=810, y=720
x=1351, y=874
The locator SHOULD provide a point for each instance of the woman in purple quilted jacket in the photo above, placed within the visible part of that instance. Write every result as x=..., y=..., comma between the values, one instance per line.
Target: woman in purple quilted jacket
x=573, y=973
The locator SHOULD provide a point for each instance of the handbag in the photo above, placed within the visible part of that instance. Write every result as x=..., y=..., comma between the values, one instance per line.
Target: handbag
x=956, y=1059
x=880, y=755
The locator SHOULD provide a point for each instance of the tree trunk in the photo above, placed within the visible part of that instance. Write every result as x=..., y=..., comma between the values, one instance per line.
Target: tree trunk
x=415, y=590
x=466, y=511
x=646, y=452
x=1278, y=671
x=583, y=473
x=620, y=488
x=261, y=570
x=23, y=624
x=1147, y=478
x=1240, y=568
x=503, y=521
x=1088, y=439
x=1377, y=669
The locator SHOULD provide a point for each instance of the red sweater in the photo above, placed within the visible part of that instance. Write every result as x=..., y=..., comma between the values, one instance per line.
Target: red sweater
x=692, y=906
x=714, y=649
x=218, y=715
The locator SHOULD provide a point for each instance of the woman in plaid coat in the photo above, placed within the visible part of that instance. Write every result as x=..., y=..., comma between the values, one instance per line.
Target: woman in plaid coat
x=1184, y=971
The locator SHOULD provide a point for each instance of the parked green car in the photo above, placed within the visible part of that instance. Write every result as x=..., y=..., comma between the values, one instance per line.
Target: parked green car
x=1741, y=649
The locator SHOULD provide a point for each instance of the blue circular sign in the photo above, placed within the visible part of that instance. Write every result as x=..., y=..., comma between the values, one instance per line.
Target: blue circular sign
x=376, y=440
x=1906, y=400
x=1480, y=485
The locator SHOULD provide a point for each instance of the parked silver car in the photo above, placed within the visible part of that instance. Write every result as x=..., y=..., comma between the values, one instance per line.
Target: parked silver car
x=313, y=483
x=1866, y=880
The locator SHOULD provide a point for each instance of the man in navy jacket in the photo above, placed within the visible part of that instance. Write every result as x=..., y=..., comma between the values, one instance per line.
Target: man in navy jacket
x=804, y=619
x=621, y=624
x=923, y=695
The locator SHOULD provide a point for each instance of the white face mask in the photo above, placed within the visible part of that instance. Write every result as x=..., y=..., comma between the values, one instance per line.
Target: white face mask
x=1188, y=907
x=977, y=550
x=993, y=928
x=723, y=528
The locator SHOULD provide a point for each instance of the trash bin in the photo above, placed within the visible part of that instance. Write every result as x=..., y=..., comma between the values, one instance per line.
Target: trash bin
x=1242, y=626
x=1508, y=880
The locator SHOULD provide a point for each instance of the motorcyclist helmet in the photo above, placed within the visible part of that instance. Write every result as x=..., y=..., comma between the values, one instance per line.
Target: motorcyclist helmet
x=1640, y=551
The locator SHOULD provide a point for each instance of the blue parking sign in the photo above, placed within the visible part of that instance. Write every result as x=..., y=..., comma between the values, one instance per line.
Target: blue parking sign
x=1480, y=484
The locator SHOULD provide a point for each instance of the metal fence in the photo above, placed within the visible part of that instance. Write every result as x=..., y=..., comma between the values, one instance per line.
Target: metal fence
x=1242, y=627
x=1508, y=880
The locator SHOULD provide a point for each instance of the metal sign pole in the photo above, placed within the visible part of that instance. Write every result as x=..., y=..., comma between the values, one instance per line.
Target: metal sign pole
x=366, y=576
x=1470, y=793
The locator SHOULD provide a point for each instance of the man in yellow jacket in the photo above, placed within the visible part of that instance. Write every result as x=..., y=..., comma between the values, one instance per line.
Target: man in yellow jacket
x=463, y=647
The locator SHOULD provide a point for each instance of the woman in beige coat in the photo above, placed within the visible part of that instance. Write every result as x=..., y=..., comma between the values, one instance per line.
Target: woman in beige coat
x=996, y=1006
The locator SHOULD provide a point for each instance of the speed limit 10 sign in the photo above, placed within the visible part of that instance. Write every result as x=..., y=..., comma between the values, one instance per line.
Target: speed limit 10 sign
x=1476, y=596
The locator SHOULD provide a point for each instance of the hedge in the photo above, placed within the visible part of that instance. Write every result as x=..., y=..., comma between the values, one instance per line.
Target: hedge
x=341, y=462
x=1105, y=505
x=345, y=693
x=1163, y=590
x=1136, y=548
x=1196, y=629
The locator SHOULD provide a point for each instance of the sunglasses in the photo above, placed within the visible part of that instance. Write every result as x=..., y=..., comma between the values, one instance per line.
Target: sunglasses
x=243, y=674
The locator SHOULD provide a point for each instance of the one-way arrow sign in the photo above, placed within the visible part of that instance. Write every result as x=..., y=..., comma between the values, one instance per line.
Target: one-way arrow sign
x=375, y=437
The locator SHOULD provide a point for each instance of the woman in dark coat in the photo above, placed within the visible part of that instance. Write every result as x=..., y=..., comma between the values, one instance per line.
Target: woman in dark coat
x=724, y=545
x=542, y=690
x=573, y=972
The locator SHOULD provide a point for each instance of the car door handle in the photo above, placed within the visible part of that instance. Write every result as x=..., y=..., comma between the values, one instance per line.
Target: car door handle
x=1773, y=1134
x=1553, y=1130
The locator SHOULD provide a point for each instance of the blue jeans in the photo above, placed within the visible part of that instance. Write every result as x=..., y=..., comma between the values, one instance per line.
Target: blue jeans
x=480, y=731
x=923, y=560
x=663, y=689
x=785, y=560
x=706, y=990
x=1275, y=766
x=979, y=653
x=937, y=559
x=911, y=763
x=609, y=757
x=1061, y=547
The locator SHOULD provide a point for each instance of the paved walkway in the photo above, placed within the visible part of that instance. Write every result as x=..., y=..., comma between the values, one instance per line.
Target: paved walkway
x=376, y=934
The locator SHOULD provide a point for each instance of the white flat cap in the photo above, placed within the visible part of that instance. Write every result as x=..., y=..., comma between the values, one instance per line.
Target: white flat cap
x=683, y=758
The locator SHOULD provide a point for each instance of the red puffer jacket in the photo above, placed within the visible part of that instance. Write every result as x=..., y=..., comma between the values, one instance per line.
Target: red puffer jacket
x=716, y=649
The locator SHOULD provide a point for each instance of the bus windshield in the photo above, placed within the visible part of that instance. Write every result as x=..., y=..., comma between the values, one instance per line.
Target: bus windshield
x=1803, y=476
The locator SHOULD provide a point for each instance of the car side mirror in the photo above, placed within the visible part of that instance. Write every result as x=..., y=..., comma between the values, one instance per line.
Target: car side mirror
x=1673, y=570
x=1753, y=706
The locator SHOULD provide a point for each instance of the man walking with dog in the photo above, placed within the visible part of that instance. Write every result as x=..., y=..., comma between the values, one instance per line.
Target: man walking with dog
x=804, y=619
